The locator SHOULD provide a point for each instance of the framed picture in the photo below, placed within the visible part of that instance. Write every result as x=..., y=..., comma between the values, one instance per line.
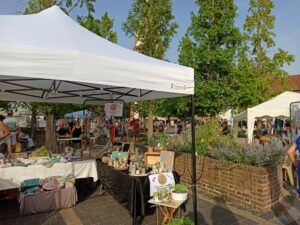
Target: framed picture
x=167, y=157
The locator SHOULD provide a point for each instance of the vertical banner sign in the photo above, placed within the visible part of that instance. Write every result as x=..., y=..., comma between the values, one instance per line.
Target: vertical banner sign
x=113, y=110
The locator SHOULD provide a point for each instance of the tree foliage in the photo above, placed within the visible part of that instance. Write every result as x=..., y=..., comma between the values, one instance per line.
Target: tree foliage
x=210, y=46
x=102, y=27
x=35, y=6
x=265, y=69
x=150, y=22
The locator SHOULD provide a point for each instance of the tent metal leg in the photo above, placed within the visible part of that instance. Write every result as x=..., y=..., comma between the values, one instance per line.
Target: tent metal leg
x=194, y=181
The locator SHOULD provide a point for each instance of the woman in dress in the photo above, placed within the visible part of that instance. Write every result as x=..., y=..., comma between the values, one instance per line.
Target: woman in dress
x=76, y=132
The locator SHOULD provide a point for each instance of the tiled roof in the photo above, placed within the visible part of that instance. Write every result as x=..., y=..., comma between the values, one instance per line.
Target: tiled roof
x=295, y=82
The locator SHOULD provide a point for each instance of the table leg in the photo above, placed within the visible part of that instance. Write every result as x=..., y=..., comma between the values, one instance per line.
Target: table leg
x=171, y=213
x=167, y=214
x=157, y=214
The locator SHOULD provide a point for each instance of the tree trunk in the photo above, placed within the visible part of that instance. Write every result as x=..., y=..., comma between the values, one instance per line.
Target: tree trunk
x=150, y=123
x=131, y=115
x=50, y=133
x=33, y=123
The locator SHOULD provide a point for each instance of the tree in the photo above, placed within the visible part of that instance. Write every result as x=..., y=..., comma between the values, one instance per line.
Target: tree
x=102, y=27
x=5, y=105
x=210, y=46
x=265, y=69
x=35, y=6
x=150, y=23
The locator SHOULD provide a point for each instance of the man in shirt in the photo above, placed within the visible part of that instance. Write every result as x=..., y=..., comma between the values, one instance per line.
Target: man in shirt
x=135, y=124
x=12, y=124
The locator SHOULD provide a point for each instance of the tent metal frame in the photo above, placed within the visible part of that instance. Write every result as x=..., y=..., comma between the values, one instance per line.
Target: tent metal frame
x=54, y=88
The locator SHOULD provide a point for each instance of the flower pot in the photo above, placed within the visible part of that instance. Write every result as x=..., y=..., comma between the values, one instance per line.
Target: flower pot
x=179, y=196
x=159, y=149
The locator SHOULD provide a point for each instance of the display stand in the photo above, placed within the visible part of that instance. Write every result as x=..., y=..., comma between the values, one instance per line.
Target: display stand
x=167, y=209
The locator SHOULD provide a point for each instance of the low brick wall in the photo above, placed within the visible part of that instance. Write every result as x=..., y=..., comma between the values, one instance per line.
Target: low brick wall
x=255, y=188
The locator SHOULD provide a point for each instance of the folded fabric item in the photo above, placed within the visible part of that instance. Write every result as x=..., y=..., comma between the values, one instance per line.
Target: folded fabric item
x=30, y=183
x=47, y=164
x=31, y=191
x=51, y=183
x=26, y=162
x=69, y=178
x=69, y=185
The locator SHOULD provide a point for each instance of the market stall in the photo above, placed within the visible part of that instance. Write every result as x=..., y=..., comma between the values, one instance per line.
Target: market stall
x=275, y=107
x=131, y=191
x=47, y=57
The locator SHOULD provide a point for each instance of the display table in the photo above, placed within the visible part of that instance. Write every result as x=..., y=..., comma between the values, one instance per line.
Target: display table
x=80, y=169
x=47, y=201
x=167, y=209
x=133, y=192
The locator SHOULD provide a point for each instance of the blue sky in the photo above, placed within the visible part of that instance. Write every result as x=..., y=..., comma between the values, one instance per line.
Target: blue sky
x=287, y=27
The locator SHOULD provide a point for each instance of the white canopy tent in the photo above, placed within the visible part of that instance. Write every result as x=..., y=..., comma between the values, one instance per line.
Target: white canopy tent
x=49, y=57
x=278, y=106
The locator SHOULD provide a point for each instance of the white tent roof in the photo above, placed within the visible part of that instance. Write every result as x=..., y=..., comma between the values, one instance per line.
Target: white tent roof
x=275, y=107
x=49, y=57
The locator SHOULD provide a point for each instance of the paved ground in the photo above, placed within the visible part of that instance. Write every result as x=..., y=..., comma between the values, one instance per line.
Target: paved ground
x=287, y=212
x=104, y=210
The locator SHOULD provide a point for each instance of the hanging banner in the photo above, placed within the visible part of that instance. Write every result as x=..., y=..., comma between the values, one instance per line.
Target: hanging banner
x=113, y=110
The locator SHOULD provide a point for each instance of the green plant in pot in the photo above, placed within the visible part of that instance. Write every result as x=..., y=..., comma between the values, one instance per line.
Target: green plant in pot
x=156, y=196
x=180, y=192
x=163, y=194
x=158, y=140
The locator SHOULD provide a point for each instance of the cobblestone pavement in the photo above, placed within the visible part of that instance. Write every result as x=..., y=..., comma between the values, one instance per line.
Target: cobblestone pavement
x=104, y=210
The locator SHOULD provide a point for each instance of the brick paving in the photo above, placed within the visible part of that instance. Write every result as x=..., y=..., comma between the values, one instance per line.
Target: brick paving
x=104, y=210
x=287, y=212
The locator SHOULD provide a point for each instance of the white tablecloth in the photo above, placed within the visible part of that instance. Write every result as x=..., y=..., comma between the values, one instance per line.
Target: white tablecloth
x=7, y=184
x=80, y=169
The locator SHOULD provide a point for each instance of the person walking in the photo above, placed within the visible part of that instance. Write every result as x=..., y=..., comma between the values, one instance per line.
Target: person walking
x=12, y=124
x=292, y=155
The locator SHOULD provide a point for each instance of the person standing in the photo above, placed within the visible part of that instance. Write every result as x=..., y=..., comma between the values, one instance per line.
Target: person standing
x=135, y=124
x=4, y=132
x=76, y=132
x=292, y=155
x=12, y=124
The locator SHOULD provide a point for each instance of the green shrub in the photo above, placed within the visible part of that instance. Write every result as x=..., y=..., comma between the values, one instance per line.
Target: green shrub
x=212, y=143
x=184, y=220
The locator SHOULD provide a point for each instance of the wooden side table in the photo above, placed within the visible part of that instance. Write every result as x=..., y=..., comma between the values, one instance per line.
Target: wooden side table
x=167, y=209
